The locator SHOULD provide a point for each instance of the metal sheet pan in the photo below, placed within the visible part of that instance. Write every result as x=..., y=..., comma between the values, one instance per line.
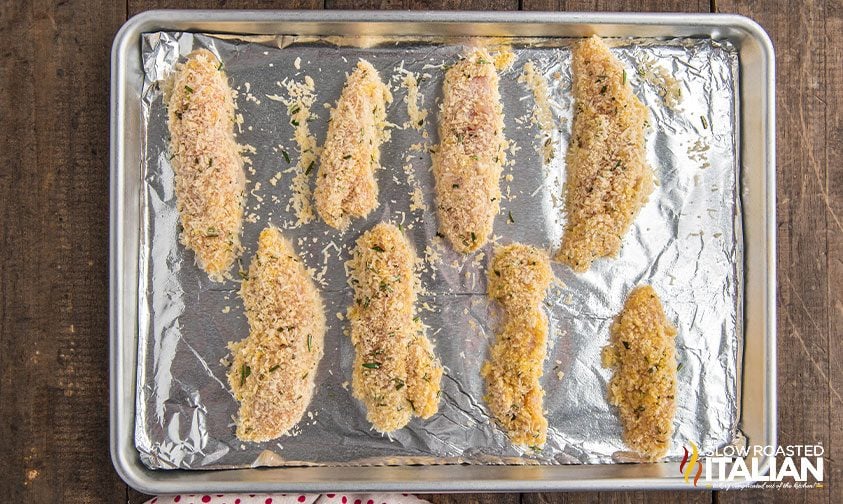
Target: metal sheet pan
x=758, y=415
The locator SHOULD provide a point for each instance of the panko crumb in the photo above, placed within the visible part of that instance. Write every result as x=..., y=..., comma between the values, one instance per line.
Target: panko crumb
x=273, y=370
x=395, y=372
x=609, y=179
x=642, y=354
x=504, y=59
x=518, y=278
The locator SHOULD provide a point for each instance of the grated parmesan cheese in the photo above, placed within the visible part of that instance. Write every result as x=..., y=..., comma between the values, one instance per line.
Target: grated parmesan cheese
x=542, y=115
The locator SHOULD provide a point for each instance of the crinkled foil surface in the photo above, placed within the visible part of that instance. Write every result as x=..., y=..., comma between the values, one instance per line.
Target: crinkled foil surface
x=686, y=242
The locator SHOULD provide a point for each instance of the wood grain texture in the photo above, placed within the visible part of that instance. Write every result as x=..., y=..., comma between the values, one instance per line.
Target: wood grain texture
x=807, y=223
x=834, y=234
x=54, y=74
x=136, y=6
x=618, y=6
x=423, y=4
x=618, y=498
x=512, y=498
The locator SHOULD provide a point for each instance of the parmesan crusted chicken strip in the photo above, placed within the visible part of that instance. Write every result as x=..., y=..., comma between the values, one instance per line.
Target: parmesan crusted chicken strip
x=395, y=371
x=519, y=276
x=643, y=355
x=468, y=164
x=273, y=370
x=346, y=185
x=608, y=176
x=209, y=179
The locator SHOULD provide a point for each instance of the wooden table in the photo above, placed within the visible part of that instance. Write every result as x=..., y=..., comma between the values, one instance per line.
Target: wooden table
x=54, y=63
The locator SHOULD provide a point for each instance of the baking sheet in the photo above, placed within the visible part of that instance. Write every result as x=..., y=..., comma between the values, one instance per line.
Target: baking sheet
x=686, y=242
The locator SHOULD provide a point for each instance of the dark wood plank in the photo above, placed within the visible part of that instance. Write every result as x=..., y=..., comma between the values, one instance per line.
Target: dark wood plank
x=619, y=5
x=618, y=498
x=54, y=74
x=834, y=167
x=561, y=498
x=472, y=498
x=136, y=6
x=807, y=221
x=423, y=4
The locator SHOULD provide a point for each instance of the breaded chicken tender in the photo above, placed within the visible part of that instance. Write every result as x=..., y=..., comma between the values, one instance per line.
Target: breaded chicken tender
x=468, y=163
x=345, y=185
x=396, y=373
x=519, y=276
x=273, y=370
x=609, y=179
x=642, y=354
x=209, y=179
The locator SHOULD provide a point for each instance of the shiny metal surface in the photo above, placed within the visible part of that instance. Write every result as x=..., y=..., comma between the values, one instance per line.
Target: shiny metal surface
x=756, y=154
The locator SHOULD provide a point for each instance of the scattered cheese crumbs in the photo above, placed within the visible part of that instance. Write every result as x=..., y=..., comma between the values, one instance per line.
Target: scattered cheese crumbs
x=698, y=152
x=297, y=63
x=416, y=114
x=299, y=101
x=668, y=88
x=504, y=60
x=417, y=200
x=226, y=309
x=542, y=114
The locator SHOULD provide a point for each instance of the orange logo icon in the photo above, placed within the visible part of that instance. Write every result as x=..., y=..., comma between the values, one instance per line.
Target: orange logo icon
x=687, y=466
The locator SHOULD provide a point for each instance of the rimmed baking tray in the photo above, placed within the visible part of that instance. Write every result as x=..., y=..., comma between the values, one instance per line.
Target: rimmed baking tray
x=757, y=181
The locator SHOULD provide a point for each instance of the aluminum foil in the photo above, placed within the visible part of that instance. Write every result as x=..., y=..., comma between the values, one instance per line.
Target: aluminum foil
x=686, y=242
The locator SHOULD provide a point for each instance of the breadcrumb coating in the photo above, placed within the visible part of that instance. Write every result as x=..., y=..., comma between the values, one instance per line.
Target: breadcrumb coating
x=273, y=370
x=609, y=179
x=396, y=373
x=346, y=185
x=468, y=162
x=519, y=276
x=209, y=179
x=642, y=354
